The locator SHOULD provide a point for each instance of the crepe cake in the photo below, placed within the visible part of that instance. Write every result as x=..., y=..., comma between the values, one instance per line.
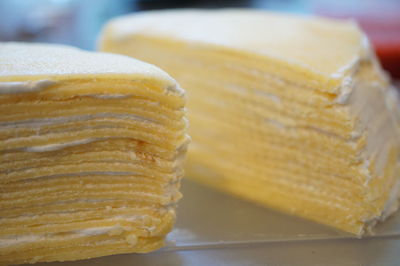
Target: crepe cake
x=91, y=149
x=287, y=111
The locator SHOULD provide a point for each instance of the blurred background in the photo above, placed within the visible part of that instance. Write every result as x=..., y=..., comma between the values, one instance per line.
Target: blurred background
x=78, y=22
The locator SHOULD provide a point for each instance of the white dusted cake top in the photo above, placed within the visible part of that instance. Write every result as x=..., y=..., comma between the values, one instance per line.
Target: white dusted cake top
x=323, y=45
x=49, y=61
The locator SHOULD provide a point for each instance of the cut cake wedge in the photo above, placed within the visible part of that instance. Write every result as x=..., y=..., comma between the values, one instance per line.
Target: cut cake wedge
x=291, y=112
x=91, y=149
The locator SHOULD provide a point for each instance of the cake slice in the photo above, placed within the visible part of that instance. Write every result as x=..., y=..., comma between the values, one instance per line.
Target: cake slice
x=91, y=147
x=287, y=111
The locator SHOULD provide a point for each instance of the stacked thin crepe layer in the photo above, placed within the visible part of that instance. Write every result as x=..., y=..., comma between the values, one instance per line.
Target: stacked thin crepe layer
x=286, y=111
x=91, y=147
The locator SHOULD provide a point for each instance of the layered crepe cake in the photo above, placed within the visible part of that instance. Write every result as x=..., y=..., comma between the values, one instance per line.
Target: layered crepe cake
x=290, y=112
x=91, y=146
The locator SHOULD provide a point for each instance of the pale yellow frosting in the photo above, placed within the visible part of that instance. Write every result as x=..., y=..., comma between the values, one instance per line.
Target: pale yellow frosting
x=22, y=61
x=240, y=29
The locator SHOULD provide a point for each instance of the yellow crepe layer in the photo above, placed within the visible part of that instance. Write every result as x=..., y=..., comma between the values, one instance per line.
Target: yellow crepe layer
x=290, y=112
x=91, y=151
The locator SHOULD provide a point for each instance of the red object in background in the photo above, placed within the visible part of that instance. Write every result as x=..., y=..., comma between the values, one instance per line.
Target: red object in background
x=380, y=19
x=385, y=37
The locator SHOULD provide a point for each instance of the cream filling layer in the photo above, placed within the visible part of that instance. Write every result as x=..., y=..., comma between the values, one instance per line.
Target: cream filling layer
x=59, y=146
x=24, y=86
x=60, y=120
x=93, y=231
x=108, y=96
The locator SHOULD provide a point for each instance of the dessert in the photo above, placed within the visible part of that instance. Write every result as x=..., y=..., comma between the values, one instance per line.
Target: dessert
x=91, y=148
x=291, y=112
